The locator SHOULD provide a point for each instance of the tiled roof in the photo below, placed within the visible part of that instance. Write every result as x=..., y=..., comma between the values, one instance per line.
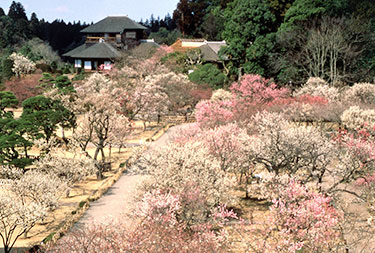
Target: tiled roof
x=97, y=51
x=75, y=50
x=192, y=40
x=177, y=46
x=113, y=24
x=210, y=49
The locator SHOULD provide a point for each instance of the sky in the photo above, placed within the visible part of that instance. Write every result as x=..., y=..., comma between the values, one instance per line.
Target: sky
x=94, y=10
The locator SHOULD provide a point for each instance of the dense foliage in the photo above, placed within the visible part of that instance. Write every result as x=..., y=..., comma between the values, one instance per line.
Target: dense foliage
x=287, y=40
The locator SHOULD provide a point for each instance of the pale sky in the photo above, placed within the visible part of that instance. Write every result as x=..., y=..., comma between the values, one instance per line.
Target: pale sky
x=94, y=10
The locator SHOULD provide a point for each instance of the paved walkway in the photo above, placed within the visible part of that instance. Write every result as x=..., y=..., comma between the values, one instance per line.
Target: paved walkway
x=120, y=198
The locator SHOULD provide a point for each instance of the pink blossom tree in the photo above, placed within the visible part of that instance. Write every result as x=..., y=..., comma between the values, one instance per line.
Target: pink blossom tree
x=210, y=114
x=299, y=219
x=256, y=89
x=159, y=230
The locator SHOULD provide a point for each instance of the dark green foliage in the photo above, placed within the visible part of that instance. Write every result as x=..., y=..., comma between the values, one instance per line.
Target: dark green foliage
x=189, y=16
x=61, y=82
x=16, y=11
x=163, y=36
x=67, y=69
x=54, y=66
x=7, y=100
x=14, y=134
x=12, y=143
x=2, y=86
x=47, y=80
x=302, y=12
x=15, y=28
x=175, y=62
x=47, y=114
x=248, y=31
x=200, y=18
x=79, y=76
x=208, y=74
x=7, y=68
x=64, y=84
x=279, y=9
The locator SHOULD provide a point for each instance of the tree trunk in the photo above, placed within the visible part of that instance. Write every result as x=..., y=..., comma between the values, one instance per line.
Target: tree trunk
x=102, y=152
x=99, y=174
x=67, y=193
x=110, y=152
x=246, y=187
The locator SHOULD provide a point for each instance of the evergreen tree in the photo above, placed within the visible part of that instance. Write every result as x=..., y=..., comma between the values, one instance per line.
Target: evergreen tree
x=250, y=33
x=189, y=16
x=35, y=26
x=17, y=11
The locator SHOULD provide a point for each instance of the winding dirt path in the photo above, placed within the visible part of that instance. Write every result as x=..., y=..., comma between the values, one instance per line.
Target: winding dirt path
x=120, y=198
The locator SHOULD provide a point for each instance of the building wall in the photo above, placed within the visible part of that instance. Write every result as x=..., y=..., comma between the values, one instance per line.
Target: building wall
x=192, y=44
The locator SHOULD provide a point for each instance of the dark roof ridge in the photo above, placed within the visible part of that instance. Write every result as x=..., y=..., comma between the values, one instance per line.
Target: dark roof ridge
x=113, y=24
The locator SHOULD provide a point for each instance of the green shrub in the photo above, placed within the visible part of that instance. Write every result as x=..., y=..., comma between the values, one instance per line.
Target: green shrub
x=79, y=77
x=175, y=62
x=7, y=68
x=47, y=80
x=66, y=69
x=208, y=74
x=62, y=82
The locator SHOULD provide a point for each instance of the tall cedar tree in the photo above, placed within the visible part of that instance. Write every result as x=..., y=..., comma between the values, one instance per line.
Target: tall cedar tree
x=189, y=16
x=250, y=34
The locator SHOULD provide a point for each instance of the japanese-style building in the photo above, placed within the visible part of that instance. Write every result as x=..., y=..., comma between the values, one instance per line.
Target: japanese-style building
x=209, y=49
x=104, y=42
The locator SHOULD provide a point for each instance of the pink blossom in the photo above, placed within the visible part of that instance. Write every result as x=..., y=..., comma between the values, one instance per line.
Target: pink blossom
x=210, y=114
x=254, y=88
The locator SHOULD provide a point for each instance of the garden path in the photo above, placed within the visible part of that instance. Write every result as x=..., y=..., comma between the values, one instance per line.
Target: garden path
x=119, y=201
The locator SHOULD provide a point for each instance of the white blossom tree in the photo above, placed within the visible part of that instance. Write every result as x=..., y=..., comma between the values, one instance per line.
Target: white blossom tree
x=21, y=65
x=99, y=101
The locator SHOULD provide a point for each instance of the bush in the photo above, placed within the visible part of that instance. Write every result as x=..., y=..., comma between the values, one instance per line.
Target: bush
x=62, y=82
x=40, y=52
x=361, y=93
x=319, y=88
x=66, y=69
x=7, y=68
x=189, y=171
x=44, y=67
x=356, y=118
x=47, y=78
x=163, y=36
x=79, y=76
x=221, y=95
x=175, y=62
x=21, y=65
x=208, y=74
